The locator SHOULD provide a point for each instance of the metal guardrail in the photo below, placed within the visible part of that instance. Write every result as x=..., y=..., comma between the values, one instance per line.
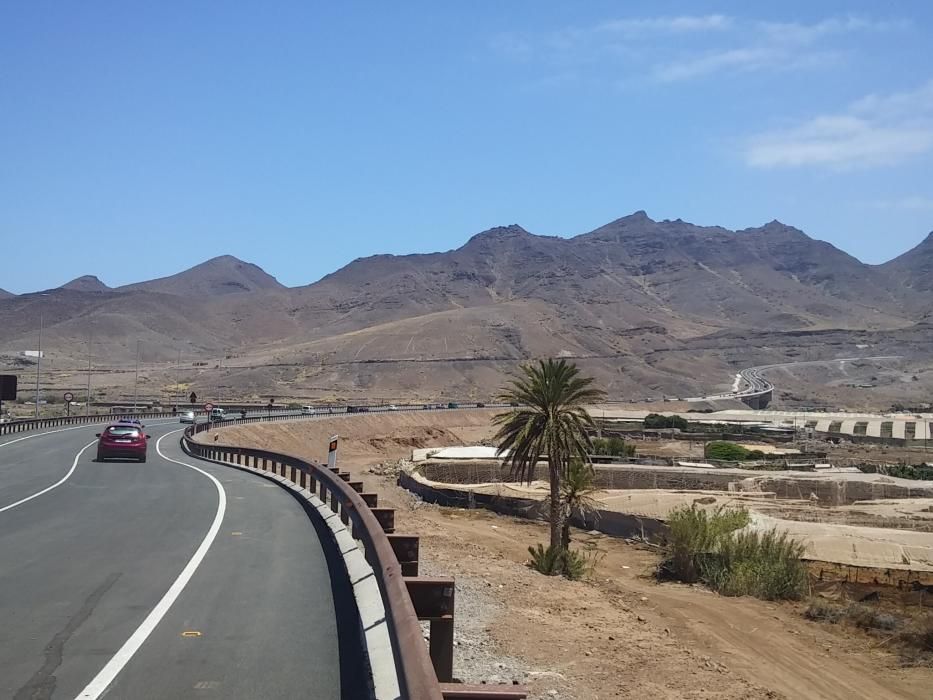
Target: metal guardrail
x=424, y=672
x=18, y=426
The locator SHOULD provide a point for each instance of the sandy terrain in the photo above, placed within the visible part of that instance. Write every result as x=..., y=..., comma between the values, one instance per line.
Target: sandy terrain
x=618, y=634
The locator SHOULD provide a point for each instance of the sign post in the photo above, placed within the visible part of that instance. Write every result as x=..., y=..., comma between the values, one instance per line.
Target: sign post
x=68, y=397
x=332, y=453
x=208, y=407
x=7, y=389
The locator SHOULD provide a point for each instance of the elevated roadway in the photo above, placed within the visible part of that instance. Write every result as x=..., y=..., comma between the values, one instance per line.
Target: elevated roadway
x=752, y=389
x=170, y=579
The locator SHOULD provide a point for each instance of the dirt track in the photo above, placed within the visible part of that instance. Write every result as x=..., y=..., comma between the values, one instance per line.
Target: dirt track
x=619, y=634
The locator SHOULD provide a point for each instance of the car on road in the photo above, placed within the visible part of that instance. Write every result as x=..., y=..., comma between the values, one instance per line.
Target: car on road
x=186, y=417
x=217, y=414
x=123, y=440
x=131, y=421
x=307, y=410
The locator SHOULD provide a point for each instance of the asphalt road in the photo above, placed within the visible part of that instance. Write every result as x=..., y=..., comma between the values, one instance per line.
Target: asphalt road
x=145, y=581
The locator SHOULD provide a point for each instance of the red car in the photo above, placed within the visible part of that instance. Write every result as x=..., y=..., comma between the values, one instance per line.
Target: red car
x=122, y=440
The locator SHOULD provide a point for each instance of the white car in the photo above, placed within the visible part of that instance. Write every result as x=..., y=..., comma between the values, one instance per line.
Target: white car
x=307, y=410
x=218, y=414
x=186, y=417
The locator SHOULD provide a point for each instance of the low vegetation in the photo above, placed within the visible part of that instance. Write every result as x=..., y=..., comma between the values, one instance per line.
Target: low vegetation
x=906, y=471
x=708, y=546
x=912, y=636
x=655, y=421
x=554, y=561
x=613, y=447
x=730, y=452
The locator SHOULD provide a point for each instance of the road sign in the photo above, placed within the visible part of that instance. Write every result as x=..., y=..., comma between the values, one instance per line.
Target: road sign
x=208, y=407
x=68, y=396
x=193, y=398
x=7, y=387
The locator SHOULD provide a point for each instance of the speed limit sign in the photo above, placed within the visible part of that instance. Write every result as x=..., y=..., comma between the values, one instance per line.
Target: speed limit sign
x=208, y=407
x=68, y=396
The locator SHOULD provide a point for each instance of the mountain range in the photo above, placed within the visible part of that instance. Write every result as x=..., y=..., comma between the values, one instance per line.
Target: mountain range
x=633, y=289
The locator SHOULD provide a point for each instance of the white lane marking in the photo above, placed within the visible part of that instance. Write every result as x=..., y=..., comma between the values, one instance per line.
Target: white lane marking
x=62, y=430
x=58, y=483
x=98, y=686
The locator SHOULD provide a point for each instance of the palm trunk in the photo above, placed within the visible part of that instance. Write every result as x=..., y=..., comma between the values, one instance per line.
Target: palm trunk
x=557, y=507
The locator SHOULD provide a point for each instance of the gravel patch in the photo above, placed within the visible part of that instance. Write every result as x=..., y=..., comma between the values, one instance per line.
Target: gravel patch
x=476, y=658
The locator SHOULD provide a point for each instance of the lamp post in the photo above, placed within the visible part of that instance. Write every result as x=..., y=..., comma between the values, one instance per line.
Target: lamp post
x=38, y=364
x=87, y=403
x=136, y=381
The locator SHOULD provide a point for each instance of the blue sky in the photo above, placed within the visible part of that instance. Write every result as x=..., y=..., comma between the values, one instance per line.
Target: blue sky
x=138, y=139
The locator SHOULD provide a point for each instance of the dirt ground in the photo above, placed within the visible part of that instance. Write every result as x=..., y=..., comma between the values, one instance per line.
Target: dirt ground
x=618, y=634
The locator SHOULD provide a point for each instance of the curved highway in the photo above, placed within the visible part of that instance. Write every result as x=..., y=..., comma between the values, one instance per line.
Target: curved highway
x=749, y=384
x=170, y=579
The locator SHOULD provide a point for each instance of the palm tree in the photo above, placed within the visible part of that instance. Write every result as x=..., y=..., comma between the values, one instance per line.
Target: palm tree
x=575, y=496
x=549, y=421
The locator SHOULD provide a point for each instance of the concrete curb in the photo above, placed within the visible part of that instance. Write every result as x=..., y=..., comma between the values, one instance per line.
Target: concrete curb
x=362, y=579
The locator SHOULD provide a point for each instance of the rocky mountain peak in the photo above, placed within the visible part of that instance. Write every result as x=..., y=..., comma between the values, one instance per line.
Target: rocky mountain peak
x=86, y=283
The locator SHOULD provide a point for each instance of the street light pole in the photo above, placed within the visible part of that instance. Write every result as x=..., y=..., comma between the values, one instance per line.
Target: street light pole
x=87, y=403
x=136, y=381
x=38, y=364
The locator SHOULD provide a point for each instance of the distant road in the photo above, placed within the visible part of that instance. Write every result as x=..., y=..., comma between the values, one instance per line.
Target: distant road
x=749, y=382
x=214, y=574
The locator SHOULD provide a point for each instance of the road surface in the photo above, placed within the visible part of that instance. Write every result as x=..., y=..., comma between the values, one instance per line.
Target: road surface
x=170, y=579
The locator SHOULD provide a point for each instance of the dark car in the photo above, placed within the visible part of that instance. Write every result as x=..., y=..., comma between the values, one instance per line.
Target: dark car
x=131, y=421
x=123, y=440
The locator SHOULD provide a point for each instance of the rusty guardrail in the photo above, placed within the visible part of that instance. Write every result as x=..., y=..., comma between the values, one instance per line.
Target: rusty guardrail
x=423, y=672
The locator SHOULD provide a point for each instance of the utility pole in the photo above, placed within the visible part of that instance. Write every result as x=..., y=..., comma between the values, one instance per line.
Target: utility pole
x=38, y=364
x=136, y=381
x=87, y=403
x=177, y=379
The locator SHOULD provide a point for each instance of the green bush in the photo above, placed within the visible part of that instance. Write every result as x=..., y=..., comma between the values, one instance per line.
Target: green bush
x=551, y=561
x=705, y=546
x=906, y=471
x=657, y=421
x=764, y=565
x=726, y=451
x=614, y=446
x=545, y=561
x=696, y=533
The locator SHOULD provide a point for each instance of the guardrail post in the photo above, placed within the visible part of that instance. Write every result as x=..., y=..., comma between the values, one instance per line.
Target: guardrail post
x=356, y=486
x=386, y=518
x=406, y=551
x=370, y=499
x=433, y=600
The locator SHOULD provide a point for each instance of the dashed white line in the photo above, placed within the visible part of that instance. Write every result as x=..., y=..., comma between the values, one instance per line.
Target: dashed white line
x=98, y=686
x=58, y=483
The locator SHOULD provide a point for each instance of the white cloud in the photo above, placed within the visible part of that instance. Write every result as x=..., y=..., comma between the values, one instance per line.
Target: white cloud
x=666, y=25
x=667, y=49
x=909, y=203
x=797, y=33
x=876, y=130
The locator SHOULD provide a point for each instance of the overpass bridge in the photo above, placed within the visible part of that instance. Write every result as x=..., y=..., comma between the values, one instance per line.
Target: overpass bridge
x=756, y=392
x=208, y=571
